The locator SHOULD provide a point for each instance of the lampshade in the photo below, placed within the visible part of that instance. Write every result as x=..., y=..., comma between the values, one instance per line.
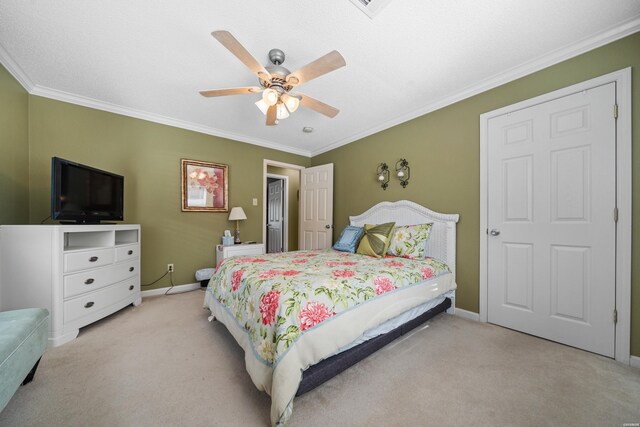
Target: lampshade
x=262, y=106
x=270, y=96
x=285, y=103
x=291, y=101
x=282, y=112
x=237, y=214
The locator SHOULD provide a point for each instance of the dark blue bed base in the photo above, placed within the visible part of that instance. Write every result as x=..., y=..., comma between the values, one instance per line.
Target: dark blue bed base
x=332, y=366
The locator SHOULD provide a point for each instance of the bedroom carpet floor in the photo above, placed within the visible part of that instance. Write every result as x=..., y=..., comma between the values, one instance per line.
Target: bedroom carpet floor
x=163, y=364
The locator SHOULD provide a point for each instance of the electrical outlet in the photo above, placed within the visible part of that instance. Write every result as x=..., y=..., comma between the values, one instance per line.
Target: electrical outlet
x=170, y=268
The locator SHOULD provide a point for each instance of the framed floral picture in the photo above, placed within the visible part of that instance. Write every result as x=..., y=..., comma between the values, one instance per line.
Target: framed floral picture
x=205, y=186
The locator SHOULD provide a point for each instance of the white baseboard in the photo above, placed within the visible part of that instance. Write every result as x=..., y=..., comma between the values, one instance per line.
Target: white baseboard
x=467, y=314
x=634, y=361
x=176, y=290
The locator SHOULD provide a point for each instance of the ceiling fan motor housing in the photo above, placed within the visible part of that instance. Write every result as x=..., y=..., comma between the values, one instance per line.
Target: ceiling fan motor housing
x=276, y=56
x=277, y=71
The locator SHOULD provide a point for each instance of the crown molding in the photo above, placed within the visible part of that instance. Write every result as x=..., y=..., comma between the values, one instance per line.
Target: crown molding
x=605, y=37
x=555, y=57
x=59, y=95
x=15, y=70
x=18, y=73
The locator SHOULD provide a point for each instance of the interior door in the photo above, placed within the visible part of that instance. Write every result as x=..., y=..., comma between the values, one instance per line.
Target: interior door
x=274, y=216
x=316, y=207
x=551, y=200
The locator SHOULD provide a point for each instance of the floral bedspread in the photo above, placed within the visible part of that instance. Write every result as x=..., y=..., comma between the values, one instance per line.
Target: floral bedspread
x=277, y=297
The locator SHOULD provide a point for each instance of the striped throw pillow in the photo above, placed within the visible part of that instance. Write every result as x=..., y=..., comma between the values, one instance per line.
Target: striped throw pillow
x=376, y=239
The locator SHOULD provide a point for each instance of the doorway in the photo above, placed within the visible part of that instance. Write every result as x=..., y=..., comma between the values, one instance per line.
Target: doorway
x=555, y=187
x=277, y=205
x=289, y=174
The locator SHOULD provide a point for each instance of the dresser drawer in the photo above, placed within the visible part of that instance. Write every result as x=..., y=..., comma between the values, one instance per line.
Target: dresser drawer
x=76, y=261
x=91, y=280
x=93, y=302
x=127, y=252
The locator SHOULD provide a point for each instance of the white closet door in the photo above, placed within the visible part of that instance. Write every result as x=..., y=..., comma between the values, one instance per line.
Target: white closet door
x=551, y=200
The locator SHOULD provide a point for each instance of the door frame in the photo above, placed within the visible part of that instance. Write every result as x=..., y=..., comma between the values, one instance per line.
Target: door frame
x=265, y=164
x=622, y=78
x=285, y=212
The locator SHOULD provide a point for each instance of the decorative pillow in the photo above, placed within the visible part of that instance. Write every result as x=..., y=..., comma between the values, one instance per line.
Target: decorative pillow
x=410, y=241
x=349, y=239
x=376, y=239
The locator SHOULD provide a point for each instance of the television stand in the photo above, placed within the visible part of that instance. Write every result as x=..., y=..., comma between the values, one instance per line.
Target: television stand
x=80, y=273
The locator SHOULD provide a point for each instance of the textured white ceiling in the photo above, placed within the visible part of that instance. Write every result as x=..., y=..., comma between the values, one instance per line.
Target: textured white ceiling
x=149, y=59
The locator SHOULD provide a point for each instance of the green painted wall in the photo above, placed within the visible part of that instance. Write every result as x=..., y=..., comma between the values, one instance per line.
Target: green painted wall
x=294, y=191
x=148, y=155
x=443, y=149
x=14, y=150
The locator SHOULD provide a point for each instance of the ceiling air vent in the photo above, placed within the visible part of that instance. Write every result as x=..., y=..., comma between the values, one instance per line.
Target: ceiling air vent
x=371, y=7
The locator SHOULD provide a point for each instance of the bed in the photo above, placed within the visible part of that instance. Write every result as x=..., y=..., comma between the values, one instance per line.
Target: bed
x=302, y=317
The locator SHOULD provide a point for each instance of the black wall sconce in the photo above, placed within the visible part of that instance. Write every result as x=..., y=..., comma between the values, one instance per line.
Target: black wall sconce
x=383, y=175
x=403, y=171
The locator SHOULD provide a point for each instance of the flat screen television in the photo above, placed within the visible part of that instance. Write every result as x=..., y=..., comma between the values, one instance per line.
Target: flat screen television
x=85, y=195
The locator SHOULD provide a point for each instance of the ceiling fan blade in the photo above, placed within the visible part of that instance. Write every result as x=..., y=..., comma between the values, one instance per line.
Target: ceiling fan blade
x=323, y=65
x=234, y=46
x=271, y=115
x=230, y=91
x=318, y=106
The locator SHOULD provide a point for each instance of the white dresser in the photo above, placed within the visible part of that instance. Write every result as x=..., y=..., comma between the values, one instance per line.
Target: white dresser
x=248, y=249
x=80, y=273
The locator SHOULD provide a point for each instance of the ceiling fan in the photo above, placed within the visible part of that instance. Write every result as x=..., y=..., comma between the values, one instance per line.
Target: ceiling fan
x=276, y=81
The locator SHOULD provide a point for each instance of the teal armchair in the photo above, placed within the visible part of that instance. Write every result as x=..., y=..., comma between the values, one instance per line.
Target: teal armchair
x=23, y=340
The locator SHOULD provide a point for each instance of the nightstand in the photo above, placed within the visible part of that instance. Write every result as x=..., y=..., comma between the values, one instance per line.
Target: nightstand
x=223, y=252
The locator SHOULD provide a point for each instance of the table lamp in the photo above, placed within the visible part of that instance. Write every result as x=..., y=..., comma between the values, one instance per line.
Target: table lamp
x=237, y=214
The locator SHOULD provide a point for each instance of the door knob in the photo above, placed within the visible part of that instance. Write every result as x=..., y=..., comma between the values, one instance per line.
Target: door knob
x=494, y=232
x=328, y=226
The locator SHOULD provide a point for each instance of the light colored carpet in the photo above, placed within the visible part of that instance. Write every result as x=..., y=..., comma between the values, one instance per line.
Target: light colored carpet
x=163, y=364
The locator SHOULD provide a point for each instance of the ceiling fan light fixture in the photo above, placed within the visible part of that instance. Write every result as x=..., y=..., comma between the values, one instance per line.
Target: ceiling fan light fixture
x=282, y=112
x=270, y=96
x=262, y=106
x=291, y=101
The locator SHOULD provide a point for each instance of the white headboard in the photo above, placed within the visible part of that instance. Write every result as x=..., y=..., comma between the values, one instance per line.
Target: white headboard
x=442, y=239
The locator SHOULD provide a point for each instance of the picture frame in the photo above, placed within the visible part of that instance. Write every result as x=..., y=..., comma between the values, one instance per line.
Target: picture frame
x=205, y=186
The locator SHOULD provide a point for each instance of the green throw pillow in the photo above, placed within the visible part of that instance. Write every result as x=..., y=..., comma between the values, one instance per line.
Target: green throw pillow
x=376, y=239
